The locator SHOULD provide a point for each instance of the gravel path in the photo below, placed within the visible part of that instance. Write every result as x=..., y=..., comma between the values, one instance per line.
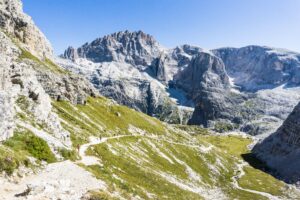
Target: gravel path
x=239, y=174
x=62, y=180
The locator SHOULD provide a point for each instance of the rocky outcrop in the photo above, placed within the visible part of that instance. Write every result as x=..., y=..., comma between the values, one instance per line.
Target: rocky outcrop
x=158, y=68
x=207, y=83
x=28, y=80
x=204, y=72
x=255, y=67
x=22, y=94
x=20, y=26
x=281, y=150
x=65, y=86
x=71, y=54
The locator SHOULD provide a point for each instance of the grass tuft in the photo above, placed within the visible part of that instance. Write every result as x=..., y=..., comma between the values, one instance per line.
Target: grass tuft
x=26, y=142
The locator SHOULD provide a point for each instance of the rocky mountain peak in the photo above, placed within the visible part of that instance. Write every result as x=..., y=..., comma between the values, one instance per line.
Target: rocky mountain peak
x=217, y=83
x=136, y=48
x=125, y=36
x=70, y=53
x=20, y=26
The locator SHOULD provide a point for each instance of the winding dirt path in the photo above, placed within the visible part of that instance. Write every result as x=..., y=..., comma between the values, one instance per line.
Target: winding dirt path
x=239, y=173
x=61, y=180
x=92, y=160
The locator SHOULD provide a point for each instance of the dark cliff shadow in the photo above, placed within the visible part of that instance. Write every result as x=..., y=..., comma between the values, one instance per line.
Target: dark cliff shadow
x=256, y=163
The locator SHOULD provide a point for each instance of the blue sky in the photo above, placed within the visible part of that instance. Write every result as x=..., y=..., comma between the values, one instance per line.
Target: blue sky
x=205, y=23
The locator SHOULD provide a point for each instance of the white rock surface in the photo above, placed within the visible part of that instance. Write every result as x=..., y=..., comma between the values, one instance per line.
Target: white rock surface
x=15, y=22
x=63, y=180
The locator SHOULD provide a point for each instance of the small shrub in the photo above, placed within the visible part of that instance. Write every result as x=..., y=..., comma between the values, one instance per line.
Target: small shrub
x=8, y=164
x=68, y=154
x=23, y=102
x=223, y=127
x=35, y=146
x=100, y=196
x=11, y=160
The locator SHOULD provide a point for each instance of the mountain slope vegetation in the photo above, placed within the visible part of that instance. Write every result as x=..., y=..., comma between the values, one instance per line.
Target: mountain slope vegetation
x=145, y=158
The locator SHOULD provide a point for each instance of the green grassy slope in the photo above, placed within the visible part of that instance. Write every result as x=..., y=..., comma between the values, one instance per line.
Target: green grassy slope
x=160, y=161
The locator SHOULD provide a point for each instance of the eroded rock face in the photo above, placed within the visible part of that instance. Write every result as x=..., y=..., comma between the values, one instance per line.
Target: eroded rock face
x=135, y=48
x=20, y=26
x=133, y=69
x=204, y=72
x=207, y=83
x=66, y=87
x=71, y=54
x=27, y=83
x=19, y=82
x=281, y=150
x=246, y=88
x=255, y=67
x=158, y=68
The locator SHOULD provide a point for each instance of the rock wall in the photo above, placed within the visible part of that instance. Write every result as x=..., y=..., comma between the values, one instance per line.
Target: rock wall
x=29, y=79
x=20, y=26
x=281, y=150
x=257, y=67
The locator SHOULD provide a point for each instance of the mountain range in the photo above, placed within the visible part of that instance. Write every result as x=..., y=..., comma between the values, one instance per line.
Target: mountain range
x=251, y=89
x=123, y=117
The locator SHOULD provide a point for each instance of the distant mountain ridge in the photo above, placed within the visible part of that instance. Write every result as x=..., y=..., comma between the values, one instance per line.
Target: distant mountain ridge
x=256, y=67
x=61, y=139
x=135, y=70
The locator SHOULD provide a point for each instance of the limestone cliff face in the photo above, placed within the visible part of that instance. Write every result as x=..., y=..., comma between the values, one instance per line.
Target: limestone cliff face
x=205, y=72
x=257, y=67
x=207, y=83
x=135, y=48
x=281, y=150
x=249, y=88
x=158, y=68
x=30, y=80
x=16, y=23
x=21, y=92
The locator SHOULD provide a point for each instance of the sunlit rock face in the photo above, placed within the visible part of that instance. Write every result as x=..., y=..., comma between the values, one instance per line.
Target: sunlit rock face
x=20, y=26
x=252, y=89
x=256, y=67
x=30, y=80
